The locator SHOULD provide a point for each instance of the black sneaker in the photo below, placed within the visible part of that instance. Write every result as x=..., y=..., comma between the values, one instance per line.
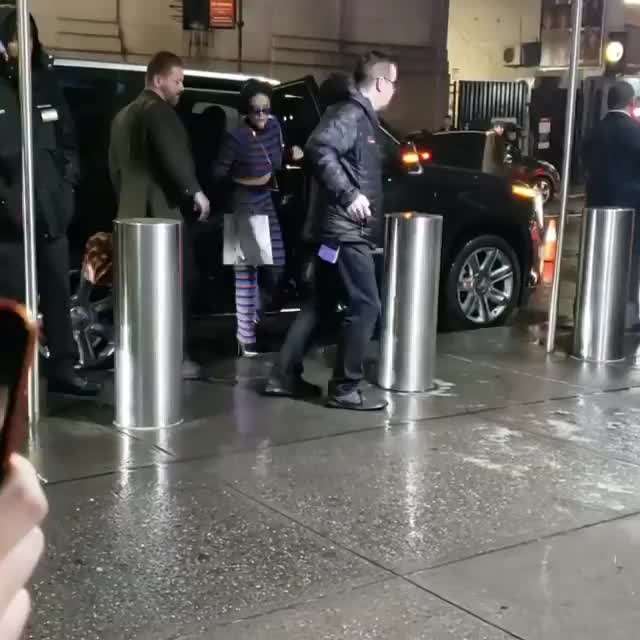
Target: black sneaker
x=356, y=401
x=296, y=388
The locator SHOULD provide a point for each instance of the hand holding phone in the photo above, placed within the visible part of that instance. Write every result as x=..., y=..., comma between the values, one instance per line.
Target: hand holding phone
x=17, y=346
x=23, y=506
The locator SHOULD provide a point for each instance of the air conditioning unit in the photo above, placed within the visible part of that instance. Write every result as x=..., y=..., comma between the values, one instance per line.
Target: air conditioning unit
x=526, y=54
x=512, y=55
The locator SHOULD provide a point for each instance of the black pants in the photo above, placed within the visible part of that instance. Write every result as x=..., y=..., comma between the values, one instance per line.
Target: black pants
x=351, y=281
x=189, y=278
x=55, y=295
x=12, y=271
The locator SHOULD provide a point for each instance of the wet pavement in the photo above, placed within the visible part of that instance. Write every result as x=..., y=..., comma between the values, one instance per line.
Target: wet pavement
x=506, y=504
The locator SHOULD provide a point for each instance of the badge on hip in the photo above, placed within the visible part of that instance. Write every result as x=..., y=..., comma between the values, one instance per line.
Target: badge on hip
x=329, y=254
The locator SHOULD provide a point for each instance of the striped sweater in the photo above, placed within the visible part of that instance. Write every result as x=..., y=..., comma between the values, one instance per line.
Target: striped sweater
x=247, y=153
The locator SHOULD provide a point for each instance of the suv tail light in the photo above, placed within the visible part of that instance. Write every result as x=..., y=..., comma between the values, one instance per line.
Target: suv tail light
x=413, y=157
x=522, y=191
x=410, y=157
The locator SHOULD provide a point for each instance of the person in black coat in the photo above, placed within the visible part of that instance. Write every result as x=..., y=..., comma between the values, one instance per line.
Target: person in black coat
x=345, y=223
x=56, y=172
x=612, y=153
x=12, y=279
x=612, y=163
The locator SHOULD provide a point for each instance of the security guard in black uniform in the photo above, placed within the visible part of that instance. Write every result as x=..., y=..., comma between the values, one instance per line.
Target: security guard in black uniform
x=55, y=171
x=11, y=251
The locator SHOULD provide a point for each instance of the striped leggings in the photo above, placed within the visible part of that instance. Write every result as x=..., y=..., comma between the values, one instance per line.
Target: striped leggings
x=248, y=300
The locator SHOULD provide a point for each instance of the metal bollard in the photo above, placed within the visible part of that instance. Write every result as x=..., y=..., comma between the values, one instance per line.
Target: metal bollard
x=148, y=320
x=413, y=248
x=603, y=284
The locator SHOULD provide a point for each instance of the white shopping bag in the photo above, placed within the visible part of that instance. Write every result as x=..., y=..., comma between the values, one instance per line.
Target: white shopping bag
x=247, y=240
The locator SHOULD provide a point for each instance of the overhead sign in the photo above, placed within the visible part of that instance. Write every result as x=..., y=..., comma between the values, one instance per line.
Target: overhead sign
x=222, y=14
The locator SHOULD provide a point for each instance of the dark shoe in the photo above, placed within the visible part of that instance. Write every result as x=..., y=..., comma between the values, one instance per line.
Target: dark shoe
x=72, y=384
x=356, y=401
x=248, y=350
x=297, y=388
x=191, y=370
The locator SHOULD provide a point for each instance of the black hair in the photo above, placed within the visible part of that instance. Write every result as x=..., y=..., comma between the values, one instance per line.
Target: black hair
x=9, y=32
x=250, y=90
x=162, y=63
x=620, y=96
x=367, y=67
x=336, y=88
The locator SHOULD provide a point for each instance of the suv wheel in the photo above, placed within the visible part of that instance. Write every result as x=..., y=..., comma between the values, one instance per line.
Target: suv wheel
x=545, y=187
x=483, y=284
x=92, y=322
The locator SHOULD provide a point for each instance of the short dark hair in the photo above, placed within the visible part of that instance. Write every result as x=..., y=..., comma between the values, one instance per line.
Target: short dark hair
x=250, y=89
x=371, y=66
x=162, y=63
x=336, y=88
x=620, y=96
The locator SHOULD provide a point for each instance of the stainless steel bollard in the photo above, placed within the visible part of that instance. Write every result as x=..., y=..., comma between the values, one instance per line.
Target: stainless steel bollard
x=603, y=284
x=148, y=321
x=413, y=248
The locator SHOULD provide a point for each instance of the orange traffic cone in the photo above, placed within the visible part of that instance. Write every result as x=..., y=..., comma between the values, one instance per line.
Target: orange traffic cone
x=549, y=250
x=550, y=242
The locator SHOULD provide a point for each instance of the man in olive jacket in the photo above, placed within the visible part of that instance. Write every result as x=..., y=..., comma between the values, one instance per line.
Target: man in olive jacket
x=151, y=163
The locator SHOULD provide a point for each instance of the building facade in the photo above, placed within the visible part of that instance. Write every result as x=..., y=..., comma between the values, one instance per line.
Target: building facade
x=480, y=32
x=285, y=39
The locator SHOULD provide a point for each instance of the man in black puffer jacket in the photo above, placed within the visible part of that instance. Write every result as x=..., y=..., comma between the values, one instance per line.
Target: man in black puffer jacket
x=345, y=222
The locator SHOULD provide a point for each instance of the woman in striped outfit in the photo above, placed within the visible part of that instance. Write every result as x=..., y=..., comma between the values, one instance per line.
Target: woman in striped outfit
x=251, y=155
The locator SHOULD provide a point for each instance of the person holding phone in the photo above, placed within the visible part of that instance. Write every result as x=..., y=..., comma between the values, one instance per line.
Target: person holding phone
x=345, y=223
x=23, y=507
x=251, y=155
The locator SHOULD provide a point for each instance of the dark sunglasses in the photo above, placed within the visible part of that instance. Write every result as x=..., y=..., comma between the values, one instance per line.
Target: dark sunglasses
x=257, y=111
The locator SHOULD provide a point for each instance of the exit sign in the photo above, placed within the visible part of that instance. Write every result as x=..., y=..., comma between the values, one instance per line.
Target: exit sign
x=222, y=14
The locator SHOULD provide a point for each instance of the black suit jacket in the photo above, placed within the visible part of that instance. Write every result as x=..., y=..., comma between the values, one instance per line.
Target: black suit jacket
x=612, y=162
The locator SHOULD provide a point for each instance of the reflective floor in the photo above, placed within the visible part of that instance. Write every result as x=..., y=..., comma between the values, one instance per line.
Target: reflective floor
x=506, y=504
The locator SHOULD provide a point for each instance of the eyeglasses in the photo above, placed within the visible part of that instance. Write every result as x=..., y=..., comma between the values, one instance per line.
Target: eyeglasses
x=258, y=111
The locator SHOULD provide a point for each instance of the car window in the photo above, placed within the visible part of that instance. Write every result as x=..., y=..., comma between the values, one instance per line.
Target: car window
x=94, y=97
x=296, y=108
x=207, y=115
x=388, y=145
x=460, y=150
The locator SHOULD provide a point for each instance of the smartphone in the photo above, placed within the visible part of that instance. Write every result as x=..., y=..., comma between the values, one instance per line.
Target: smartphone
x=18, y=335
x=329, y=254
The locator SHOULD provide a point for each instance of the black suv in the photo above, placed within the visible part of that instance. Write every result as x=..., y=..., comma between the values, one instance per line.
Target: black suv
x=491, y=229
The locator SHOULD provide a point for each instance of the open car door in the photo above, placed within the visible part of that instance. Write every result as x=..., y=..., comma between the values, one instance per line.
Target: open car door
x=296, y=106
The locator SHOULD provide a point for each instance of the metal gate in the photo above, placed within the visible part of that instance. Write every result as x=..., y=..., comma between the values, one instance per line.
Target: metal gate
x=478, y=103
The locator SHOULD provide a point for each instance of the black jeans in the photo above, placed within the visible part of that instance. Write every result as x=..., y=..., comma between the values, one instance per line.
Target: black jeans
x=352, y=281
x=55, y=296
x=189, y=279
x=12, y=271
